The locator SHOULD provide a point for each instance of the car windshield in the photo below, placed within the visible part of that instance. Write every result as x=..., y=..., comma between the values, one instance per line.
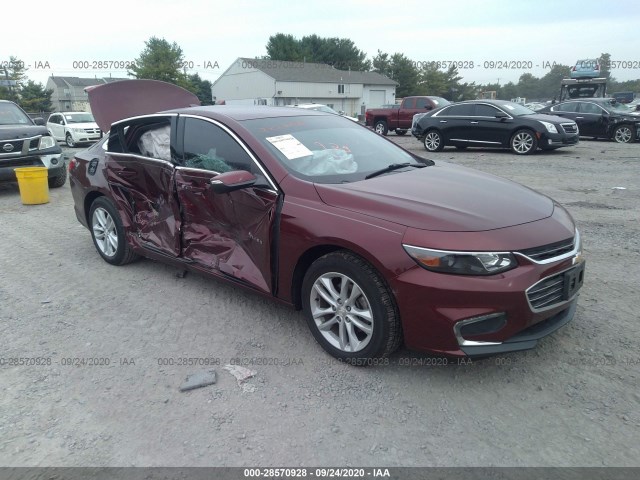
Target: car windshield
x=326, y=149
x=10, y=114
x=619, y=107
x=439, y=101
x=516, y=109
x=79, y=118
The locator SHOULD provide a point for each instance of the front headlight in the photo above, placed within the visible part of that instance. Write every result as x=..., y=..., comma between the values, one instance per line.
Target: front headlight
x=551, y=128
x=46, y=142
x=462, y=263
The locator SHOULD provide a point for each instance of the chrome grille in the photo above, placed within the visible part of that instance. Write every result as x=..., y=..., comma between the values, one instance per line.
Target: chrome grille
x=546, y=293
x=570, y=127
x=16, y=146
x=557, y=289
x=549, y=251
x=92, y=130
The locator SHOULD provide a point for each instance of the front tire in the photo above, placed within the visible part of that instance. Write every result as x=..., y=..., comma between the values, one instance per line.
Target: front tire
x=381, y=127
x=59, y=180
x=624, y=134
x=433, y=141
x=523, y=142
x=69, y=140
x=350, y=309
x=108, y=233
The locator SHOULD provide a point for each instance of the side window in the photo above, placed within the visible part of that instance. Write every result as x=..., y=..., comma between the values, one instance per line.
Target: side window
x=409, y=103
x=52, y=119
x=421, y=103
x=486, y=111
x=566, y=107
x=208, y=147
x=587, y=107
x=462, y=110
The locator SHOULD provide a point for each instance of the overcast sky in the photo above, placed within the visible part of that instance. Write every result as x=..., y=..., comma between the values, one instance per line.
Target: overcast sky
x=50, y=36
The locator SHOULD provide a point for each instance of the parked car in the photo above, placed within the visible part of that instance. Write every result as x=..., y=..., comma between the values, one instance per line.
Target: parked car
x=589, y=68
x=73, y=128
x=493, y=123
x=624, y=97
x=24, y=142
x=399, y=119
x=599, y=118
x=375, y=244
x=319, y=107
x=571, y=88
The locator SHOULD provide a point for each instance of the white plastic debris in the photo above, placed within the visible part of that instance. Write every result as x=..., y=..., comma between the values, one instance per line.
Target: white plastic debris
x=242, y=374
x=619, y=188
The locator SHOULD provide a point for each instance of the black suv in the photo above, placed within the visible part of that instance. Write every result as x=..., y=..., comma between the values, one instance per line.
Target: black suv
x=26, y=143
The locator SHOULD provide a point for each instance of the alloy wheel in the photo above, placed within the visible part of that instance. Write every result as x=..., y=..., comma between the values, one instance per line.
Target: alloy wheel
x=522, y=142
x=341, y=312
x=104, y=231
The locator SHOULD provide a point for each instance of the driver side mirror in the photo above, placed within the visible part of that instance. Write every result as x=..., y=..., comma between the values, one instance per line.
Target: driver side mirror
x=230, y=181
x=501, y=115
x=38, y=121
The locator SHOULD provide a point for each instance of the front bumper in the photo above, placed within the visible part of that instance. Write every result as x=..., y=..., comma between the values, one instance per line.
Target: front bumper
x=84, y=137
x=548, y=140
x=526, y=339
x=52, y=161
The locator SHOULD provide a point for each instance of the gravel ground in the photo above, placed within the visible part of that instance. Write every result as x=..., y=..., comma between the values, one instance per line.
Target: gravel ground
x=574, y=401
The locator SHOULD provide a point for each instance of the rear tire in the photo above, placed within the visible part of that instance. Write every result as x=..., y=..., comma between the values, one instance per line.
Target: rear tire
x=108, y=234
x=350, y=309
x=381, y=127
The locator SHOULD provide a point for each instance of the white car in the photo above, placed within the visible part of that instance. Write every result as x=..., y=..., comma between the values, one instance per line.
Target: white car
x=73, y=128
x=324, y=108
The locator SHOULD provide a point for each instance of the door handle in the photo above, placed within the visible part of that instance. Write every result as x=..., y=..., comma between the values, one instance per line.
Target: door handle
x=579, y=118
x=443, y=121
x=474, y=123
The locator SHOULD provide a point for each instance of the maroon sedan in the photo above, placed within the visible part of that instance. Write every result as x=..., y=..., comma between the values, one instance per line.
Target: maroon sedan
x=376, y=245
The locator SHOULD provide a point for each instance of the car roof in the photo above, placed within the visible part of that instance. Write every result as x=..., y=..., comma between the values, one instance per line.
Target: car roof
x=239, y=113
x=497, y=103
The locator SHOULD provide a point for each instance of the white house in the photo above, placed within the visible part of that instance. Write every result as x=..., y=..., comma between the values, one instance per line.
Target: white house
x=68, y=92
x=274, y=82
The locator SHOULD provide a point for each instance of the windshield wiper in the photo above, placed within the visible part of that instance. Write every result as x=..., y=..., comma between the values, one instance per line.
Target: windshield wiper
x=392, y=167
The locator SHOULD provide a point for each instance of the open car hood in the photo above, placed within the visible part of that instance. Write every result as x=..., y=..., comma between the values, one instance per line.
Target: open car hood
x=116, y=101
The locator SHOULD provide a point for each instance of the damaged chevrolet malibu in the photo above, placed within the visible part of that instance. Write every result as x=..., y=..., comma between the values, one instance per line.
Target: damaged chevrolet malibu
x=376, y=246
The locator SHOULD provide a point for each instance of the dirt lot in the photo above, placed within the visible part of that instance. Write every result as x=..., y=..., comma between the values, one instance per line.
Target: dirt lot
x=574, y=401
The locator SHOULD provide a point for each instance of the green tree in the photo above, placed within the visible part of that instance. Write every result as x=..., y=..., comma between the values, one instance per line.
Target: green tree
x=508, y=91
x=284, y=47
x=339, y=52
x=549, y=85
x=528, y=86
x=605, y=68
x=160, y=60
x=35, y=98
x=202, y=88
x=15, y=70
x=382, y=64
x=404, y=72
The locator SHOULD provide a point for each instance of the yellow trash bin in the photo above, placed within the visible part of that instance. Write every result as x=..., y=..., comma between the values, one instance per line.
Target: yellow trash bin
x=33, y=184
